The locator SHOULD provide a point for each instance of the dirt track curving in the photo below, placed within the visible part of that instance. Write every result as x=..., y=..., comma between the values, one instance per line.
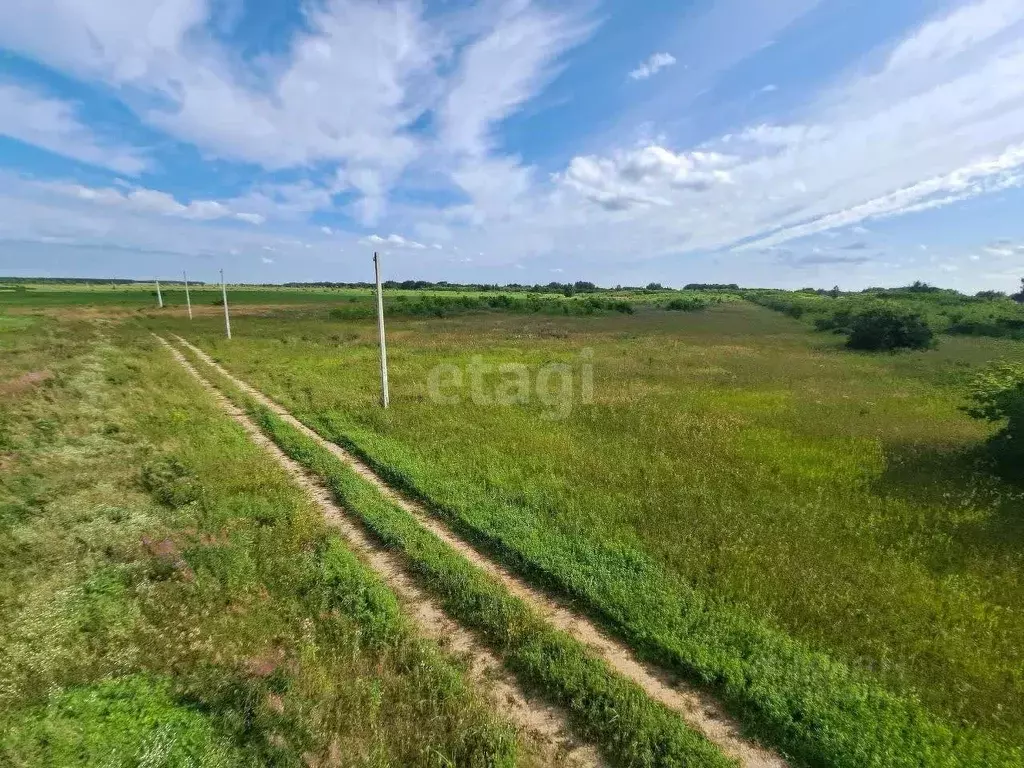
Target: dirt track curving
x=698, y=708
x=544, y=726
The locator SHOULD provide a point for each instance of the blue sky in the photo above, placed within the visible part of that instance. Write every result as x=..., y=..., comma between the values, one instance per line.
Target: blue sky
x=783, y=143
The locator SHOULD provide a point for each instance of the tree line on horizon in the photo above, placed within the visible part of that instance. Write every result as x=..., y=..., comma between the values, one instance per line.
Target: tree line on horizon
x=565, y=289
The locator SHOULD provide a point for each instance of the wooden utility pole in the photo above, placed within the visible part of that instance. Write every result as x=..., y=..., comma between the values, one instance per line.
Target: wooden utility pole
x=380, y=329
x=159, y=296
x=188, y=300
x=224, y=299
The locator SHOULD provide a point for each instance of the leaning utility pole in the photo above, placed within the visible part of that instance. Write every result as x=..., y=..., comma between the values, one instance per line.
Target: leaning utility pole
x=380, y=329
x=188, y=301
x=159, y=296
x=224, y=298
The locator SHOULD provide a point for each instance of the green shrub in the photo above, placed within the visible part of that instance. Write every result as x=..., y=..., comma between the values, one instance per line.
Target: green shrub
x=997, y=394
x=840, y=321
x=1019, y=297
x=888, y=328
x=686, y=304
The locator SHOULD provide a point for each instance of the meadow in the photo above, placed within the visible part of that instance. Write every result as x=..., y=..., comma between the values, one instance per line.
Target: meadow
x=731, y=459
x=817, y=536
x=169, y=597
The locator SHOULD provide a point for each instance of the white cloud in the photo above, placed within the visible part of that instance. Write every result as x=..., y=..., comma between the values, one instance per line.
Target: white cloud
x=327, y=230
x=969, y=181
x=473, y=67
x=142, y=200
x=936, y=118
x=265, y=260
x=396, y=241
x=912, y=134
x=654, y=64
x=355, y=51
x=646, y=176
x=1004, y=248
x=85, y=226
x=288, y=111
x=51, y=124
x=503, y=69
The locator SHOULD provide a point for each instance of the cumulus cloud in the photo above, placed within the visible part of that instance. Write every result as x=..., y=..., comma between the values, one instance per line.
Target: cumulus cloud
x=51, y=124
x=644, y=176
x=652, y=66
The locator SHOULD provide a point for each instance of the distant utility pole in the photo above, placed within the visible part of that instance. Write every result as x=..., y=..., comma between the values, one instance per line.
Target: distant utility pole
x=159, y=296
x=188, y=301
x=380, y=329
x=224, y=298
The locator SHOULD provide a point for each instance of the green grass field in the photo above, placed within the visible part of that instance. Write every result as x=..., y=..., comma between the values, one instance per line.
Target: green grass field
x=816, y=535
x=731, y=456
x=169, y=597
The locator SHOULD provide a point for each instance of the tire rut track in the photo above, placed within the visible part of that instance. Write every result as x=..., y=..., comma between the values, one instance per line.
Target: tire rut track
x=545, y=726
x=698, y=708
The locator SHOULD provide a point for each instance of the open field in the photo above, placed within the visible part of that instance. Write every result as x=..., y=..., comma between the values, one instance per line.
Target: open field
x=167, y=590
x=834, y=495
x=814, y=536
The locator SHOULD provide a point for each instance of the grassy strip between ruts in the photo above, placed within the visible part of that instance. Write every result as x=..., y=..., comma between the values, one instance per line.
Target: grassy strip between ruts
x=811, y=706
x=630, y=728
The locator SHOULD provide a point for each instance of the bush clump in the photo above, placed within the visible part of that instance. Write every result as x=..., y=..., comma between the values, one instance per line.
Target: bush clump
x=882, y=328
x=686, y=304
x=997, y=395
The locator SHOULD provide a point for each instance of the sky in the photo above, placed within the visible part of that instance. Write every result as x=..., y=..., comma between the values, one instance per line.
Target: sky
x=779, y=143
